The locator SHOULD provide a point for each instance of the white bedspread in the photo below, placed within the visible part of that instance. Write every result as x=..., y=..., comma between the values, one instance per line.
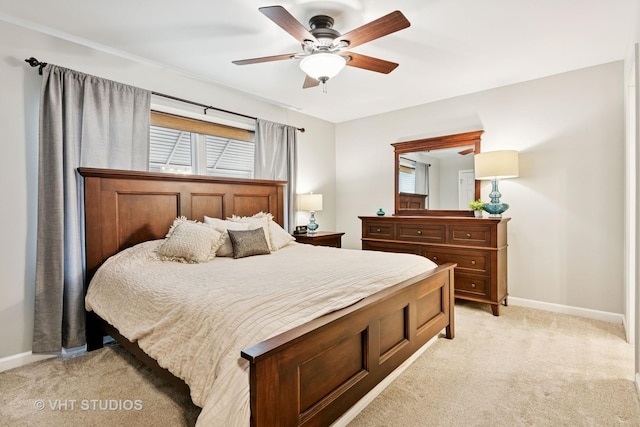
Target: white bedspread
x=194, y=319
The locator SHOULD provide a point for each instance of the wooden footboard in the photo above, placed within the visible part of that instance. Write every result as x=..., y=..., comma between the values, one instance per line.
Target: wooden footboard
x=314, y=373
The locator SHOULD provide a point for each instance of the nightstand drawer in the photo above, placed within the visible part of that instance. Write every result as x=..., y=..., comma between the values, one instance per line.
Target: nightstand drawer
x=421, y=232
x=378, y=230
x=474, y=261
x=470, y=235
x=472, y=285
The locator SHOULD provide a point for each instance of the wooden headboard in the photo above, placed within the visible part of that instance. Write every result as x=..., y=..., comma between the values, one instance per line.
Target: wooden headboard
x=123, y=208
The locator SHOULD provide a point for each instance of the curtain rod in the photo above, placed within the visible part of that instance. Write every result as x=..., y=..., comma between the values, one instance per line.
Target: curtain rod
x=35, y=63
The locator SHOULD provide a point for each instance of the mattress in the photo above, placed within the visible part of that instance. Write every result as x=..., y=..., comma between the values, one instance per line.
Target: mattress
x=194, y=319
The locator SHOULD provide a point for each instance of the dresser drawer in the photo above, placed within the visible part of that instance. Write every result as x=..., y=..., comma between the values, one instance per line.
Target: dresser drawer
x=392, y=247
x=472, y=285
x=378, y=230
x=470, y=235
x=473, y=261
x=421, y=232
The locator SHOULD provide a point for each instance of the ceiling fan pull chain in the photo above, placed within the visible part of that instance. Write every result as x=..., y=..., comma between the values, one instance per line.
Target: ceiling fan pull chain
x=324, y=86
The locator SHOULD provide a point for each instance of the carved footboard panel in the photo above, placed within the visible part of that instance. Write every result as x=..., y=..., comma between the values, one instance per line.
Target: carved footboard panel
x=313, y=374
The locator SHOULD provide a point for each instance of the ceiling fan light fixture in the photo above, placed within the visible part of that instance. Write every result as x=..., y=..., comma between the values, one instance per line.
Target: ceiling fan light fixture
x=322, y=66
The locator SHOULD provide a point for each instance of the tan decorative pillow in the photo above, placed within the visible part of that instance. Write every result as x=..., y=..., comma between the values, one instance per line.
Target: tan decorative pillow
x=190, y=242
x=248, y=243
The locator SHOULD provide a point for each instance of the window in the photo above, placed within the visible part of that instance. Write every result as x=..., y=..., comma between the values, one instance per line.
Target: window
x=407, y=176
x=184, y=145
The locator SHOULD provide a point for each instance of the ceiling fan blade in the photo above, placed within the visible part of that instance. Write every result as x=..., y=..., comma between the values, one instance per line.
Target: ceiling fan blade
x=466, y=151
x=309, y=82
x=265, y=59
x=369, y=63
x=287, y=22
x=395, y=21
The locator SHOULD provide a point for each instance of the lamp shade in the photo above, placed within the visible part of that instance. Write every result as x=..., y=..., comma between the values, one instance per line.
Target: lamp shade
x=322, y=66
x=310, y=202
x=496, y=164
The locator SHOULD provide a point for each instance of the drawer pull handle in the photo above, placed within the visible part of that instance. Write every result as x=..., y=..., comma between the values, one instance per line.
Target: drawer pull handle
x=473, y=262
x=468, y=235
x=435, y=258
x=419, y=231
x=378, y=230
x=473, y=285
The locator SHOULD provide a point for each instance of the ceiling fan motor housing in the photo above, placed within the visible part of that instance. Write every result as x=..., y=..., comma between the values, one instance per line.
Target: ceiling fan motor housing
x=322, y=29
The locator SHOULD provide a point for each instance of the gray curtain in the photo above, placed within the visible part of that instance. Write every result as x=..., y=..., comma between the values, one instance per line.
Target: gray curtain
x=84, y=121
x=276, y=158
x=422, y=174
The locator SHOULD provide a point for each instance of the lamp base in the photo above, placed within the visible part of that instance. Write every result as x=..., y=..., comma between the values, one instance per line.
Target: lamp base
x=495, y=207
x=312, y=227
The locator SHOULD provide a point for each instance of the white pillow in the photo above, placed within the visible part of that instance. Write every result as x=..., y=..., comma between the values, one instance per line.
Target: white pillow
x=260, y=220
x=225, y=249
x=278, y=237
x=190, y=242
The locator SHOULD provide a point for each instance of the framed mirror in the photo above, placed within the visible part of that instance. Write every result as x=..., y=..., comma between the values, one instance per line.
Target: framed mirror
x=434, y=176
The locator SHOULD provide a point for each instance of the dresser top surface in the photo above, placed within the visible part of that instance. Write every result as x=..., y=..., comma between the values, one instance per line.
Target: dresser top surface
x=425, y=218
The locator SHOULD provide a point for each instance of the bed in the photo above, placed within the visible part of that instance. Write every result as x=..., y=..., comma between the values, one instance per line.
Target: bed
x=309, y=374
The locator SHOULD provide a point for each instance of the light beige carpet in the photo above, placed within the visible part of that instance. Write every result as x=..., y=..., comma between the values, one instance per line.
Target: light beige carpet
x=524, y=368
x=107, y=387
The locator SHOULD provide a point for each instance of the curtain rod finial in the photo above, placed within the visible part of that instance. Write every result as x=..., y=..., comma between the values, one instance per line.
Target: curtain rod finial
x=35, y=63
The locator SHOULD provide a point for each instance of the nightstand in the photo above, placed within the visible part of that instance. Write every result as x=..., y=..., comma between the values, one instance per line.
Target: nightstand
x=321, y=238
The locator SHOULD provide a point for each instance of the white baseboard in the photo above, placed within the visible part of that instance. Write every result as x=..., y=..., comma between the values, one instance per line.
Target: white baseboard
x=566, y=309
x=348, y=416
x=21, y=359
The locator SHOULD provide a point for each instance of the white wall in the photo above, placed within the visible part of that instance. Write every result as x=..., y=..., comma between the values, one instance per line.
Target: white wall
x=20, y=86
x=566, y=232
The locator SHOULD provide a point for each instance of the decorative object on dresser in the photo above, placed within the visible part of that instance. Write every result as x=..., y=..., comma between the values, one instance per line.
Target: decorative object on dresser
x=380, y=212
x=321, y=238
x=494, y=166
x=478, y=246
x=312, y=203
x=477, y=207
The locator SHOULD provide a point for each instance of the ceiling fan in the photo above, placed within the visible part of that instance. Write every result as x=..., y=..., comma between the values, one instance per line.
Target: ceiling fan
x=324, y=54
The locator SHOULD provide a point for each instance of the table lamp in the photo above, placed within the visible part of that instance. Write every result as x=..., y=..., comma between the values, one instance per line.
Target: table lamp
x=312, y=203
x=494, y=166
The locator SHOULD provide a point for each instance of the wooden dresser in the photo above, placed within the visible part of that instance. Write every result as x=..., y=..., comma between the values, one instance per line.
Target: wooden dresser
x=477, y=245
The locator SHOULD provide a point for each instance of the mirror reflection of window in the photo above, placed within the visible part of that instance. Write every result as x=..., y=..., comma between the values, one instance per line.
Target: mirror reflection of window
x=407, y=177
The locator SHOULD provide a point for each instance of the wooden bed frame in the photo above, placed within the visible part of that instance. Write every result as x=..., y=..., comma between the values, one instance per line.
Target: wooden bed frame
x=309, y=375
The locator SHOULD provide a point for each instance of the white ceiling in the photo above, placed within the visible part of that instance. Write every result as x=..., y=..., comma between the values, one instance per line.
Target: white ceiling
x=453, y=47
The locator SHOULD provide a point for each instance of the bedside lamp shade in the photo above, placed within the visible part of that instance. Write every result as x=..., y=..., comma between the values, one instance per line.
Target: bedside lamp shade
x=494, y=166
x=311, y=203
